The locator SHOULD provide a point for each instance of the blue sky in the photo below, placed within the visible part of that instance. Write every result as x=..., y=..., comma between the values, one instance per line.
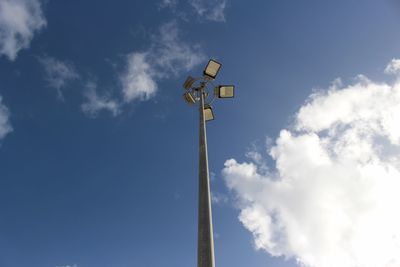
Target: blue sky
x=98, y=151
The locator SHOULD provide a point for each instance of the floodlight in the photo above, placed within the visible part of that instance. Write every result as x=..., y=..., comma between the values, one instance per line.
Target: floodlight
x=224, y=91
x=208, y=113
x=189, y=98
x=189, y=82
x=212, y=69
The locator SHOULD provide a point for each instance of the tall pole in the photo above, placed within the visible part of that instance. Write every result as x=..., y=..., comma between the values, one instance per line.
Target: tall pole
x=200, y=94
x=205, y=246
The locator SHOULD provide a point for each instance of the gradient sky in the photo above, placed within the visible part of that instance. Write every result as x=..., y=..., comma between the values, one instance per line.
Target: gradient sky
x=115, y=184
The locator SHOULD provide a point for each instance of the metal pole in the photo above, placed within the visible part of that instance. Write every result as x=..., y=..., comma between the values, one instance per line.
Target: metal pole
x=205, y=246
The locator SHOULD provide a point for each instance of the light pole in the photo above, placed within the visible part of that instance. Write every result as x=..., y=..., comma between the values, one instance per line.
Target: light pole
x=196, y=92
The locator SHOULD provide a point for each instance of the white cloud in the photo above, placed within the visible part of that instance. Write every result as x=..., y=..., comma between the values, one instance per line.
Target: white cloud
x=58, y=73
x=19, y=20
x=393, y=67
x=167, y=56
x=171, y=54
x=213, y=10
x=96, y=103
x=138, y=79
x=219, y=198
x=5, y=126
x=333, y=198
x=168, y=3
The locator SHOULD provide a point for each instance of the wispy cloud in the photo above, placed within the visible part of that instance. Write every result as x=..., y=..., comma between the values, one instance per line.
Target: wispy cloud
x=203, y=10
x=171, y=54
x=5, y=126
x=168, y=3
x=333, y=198
x=393, y=67
x=19, y=20
x=58, y=73
x=96, y=103
x=167, y=56
x=219, y=198
x=213, y=10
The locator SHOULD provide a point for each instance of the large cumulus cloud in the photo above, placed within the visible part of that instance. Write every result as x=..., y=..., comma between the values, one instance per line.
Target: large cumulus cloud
x=333, y=196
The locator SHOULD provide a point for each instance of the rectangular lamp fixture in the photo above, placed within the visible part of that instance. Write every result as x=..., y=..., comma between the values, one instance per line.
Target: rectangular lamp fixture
x=189, y=82
x=189, y=98
x=212, y=69
x=208, y=113
x=224, y=91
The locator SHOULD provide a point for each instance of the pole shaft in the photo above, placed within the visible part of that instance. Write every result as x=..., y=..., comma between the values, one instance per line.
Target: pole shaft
x=205, y=246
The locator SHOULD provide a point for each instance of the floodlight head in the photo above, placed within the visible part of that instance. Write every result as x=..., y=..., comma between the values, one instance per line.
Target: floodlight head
x=189, y=82
x=189, y=98
x=208, y=113
x=212, y=69
x=224, y=91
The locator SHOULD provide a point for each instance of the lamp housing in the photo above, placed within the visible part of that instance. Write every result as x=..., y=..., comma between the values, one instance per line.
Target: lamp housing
x=212, y=69
x=189, y=98
x=208, y=113
x=224, y=91
x=189, y=82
